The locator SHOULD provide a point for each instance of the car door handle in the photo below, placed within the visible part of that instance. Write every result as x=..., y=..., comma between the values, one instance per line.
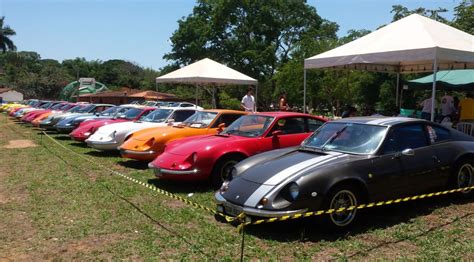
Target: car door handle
x=435, y=158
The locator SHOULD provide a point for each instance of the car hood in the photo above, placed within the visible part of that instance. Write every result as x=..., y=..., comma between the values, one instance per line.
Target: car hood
x=203, y=143
x=290, y=166
x=126, y=127
x=171, y=131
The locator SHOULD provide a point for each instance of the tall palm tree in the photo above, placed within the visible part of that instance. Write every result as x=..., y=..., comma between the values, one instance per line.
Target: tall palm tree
x=5, y=32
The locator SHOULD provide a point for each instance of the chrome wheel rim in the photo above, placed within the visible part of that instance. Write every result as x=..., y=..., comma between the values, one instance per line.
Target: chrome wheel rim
x=227, y=169
x=465, y=177
x=343, y=199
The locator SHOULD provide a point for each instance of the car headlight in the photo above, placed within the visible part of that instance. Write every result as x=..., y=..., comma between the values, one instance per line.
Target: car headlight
x=87, y=133
x=294, y=190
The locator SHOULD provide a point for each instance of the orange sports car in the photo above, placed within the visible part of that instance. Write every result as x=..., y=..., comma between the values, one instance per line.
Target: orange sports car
x=147, y=144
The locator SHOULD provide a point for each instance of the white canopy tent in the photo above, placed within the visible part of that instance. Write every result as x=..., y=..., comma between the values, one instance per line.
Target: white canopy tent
x=208, y=72
x=410, y=45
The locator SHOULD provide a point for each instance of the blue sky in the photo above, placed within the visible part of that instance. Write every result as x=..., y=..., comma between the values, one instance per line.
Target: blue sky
x=138, y=30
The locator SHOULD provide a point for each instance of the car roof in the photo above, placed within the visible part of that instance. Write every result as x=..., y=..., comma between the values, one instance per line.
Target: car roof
x=221, y=111
x=377, y=120
x=284, y=114
x=104, y=105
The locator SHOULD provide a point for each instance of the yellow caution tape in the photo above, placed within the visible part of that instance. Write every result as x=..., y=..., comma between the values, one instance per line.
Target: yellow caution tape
x=241, y=218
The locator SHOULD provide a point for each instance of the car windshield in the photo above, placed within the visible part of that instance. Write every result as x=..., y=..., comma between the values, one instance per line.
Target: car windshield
x=86, y=109
x=65, y=106
x=346, y=137
x=249, y=126
x=131, y=114
x=74, y=109
x=110, y=111
x=200, y=119
x=157, y=116
x=57, y=106
x=45, y=105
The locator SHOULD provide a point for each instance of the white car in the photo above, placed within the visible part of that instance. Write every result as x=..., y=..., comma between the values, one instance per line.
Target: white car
x=111, y=137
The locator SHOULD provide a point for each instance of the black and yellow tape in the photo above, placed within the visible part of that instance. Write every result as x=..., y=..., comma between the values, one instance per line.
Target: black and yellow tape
x=362, y=206
x=241, y=218
x=151, y=187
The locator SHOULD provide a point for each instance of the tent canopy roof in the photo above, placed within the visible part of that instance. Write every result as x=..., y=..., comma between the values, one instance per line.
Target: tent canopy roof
x=457, y=80
x=407, y=45
x=206, y=72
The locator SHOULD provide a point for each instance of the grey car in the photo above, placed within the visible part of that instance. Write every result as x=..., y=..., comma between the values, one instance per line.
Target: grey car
x=349, y=162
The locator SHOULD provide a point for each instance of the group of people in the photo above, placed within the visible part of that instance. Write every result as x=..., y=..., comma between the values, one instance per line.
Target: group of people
x=451, y=109
x=248, y=102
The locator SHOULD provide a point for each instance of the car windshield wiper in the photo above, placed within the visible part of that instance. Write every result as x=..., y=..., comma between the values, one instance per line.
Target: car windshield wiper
x=310, y=149
x=333, y=137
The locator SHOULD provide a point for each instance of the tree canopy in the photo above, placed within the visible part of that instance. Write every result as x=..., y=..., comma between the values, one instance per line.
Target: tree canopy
x=5, y=33
x=267, y=40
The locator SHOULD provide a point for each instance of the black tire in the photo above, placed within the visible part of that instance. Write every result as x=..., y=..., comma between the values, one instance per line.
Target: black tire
x=463, y=176
x=342, y=196
x=222, y=169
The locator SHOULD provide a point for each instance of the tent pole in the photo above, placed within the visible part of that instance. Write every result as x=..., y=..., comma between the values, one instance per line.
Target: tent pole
x=196, y=95
x=433, y=91
x=213, y=97
x=304, y=91
x=399, y=105
x=256, y=98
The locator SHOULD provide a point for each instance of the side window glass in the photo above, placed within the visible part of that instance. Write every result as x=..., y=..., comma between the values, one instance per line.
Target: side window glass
x=181, y=115
x=403, y=137
x=292, y=125
x=313, y=124
x=438, y=134
x=227, y=119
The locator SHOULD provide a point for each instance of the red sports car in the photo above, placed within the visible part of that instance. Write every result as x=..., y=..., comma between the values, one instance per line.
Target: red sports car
x=87, y=128
x=213, y=156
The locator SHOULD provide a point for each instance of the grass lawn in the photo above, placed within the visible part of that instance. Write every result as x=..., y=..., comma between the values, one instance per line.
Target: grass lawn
x=54, y=205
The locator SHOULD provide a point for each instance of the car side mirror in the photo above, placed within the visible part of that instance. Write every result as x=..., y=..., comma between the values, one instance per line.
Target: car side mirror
x=277, y=133
x=170, y=121
x=97, y=114
x=408, y=152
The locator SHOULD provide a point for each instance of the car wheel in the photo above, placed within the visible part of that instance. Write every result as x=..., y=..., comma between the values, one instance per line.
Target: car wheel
x=223, y=168
x=464, y=177
x=342, y=197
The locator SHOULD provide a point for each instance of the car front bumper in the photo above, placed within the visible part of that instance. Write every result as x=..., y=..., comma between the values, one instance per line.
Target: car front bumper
x=230, y=209
x=64, y=129
x=102, y=145
x=160, y=172
x=148, y=155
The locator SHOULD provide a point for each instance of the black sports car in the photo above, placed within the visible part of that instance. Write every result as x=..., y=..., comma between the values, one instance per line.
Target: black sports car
x=348, y=162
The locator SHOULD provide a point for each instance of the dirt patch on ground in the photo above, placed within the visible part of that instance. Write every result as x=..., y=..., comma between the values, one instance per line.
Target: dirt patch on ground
x=23, y=143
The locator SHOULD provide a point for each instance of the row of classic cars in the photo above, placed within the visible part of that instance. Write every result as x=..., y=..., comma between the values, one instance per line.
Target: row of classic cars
x=274, y=164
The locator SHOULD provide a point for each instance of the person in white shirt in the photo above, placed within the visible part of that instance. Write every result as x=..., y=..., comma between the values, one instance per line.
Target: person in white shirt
x=447, y=107
x=248, y=101
x=426, y=111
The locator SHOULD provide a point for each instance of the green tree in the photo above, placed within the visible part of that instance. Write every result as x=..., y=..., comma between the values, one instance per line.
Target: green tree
x=464, y=16
x=400, y=12
x=254, y=37
x=5, y=33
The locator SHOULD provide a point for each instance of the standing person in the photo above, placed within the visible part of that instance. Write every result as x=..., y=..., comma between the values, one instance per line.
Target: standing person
x=426, y=108
x=248, y=101
x=466, y=108
x=447, y=108
x=283, y=102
